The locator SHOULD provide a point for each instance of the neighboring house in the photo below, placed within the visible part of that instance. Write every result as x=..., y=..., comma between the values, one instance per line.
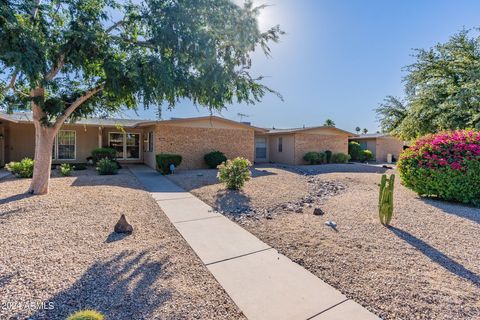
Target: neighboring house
x=138, y=141
x=380, y=144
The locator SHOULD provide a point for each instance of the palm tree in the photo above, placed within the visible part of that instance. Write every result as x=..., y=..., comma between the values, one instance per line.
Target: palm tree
x=329, y=123
x=365, y=130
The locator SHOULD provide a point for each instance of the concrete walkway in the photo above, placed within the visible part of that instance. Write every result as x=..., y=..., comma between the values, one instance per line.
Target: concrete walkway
x=263, y=283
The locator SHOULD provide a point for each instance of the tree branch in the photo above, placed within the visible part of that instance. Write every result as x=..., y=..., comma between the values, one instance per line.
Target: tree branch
x=61, y=120
x=35, y=9
x=139, y=43
x=56, y=69
x=114, y=26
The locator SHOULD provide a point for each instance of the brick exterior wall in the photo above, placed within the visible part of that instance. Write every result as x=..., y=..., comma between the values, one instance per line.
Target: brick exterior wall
x=192, y=143
x=388, y=145
x=316, y=142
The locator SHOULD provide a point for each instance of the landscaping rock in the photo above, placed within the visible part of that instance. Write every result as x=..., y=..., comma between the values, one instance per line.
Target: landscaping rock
x=123, y=226
x=318, y=212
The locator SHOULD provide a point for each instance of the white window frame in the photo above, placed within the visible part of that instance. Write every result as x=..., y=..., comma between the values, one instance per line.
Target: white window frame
x=55, y=143
x=124, y=144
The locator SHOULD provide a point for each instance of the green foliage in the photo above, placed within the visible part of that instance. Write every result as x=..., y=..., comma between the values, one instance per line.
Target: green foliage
x=22, y=169
x=441, y=90
x=214, y=159
x=385, y=199
x=106, y=166
x=354, y=150
x=329, y=123
x=86, y=315
x=340, y=158
x=234, y=173
x=153, y=53
x=366, y=155
x=65, y=169
x=445, y=165
x=164, y=160
x=328, y=156
x=312, y=157
x=102, y=153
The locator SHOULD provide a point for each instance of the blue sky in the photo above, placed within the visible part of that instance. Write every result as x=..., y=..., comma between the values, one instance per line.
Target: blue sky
x=340, y=58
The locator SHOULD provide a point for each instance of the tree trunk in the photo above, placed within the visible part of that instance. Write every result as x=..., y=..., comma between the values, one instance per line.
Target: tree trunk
x=44, y=138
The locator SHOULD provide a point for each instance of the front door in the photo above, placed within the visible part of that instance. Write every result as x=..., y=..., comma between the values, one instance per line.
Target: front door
x=261, y=149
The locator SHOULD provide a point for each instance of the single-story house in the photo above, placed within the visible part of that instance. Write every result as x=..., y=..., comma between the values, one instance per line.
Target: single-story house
x=138, y=141
x=380, y=145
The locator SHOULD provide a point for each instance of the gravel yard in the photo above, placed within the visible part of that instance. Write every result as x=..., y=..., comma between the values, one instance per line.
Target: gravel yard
x=426, y=266
x=59, y=249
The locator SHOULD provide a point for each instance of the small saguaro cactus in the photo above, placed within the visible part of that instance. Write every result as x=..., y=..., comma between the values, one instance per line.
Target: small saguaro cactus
x=385, y=199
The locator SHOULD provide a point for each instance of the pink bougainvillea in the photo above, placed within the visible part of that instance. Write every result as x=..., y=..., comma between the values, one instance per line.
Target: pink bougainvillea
x=450, y=148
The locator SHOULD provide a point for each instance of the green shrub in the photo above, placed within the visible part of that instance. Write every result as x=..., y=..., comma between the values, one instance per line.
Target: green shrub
x=102, y=153
x=354, y=150
x=340, y=158
x=366, y=155
x=86, y=315
x=65, y=169
x=234, y=173
x=323, y=157
x=445, y=165
x=164, y=160
x=106, y=166
x=385, y=199
x=214, y=159
x=312, y=157
x=328, y=156
x=79, y=166
x=22, y=169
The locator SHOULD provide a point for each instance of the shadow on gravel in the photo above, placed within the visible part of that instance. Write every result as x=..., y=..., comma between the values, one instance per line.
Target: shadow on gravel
x=120, y=288
x=332, y=168
x=458, y=209
x=437, y=256
x=232, y=201
x=16, y=197
x=114, y=236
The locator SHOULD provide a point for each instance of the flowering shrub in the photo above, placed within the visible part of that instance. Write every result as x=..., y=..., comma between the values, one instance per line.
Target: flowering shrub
x=445, y=165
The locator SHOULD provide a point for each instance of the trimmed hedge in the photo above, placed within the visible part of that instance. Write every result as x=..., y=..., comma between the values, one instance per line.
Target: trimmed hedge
x=340, y=158
x=214, y=159
x=312, y=157
x=354, y=150
x=102, y=153
x=366, y=155
x=164, y=160
x=444, y=165
x=328, y=156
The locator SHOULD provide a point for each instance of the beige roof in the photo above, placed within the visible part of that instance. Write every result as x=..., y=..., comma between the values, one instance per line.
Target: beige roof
x=293, y=130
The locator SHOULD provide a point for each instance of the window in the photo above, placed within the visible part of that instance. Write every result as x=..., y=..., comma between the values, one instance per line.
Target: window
x=148, y=142
x=64, y=145
x=280, y=144
x=126, y=144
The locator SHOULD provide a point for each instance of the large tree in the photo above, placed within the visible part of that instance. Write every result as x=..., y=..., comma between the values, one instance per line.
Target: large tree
x=68, y=59
x=442, y=90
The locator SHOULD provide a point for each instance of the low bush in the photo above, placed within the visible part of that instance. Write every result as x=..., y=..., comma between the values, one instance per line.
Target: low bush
x=234, y=173
x=328, y=156
x=65, y=169
x=164, y=160
x=444, y=165
x=366, y=155
x=340, y=158
x=86, y=315
x=214, y=159
x=354, y=150
x=106, y=166
x=312, y=157
x=323, y=157
x=102, y=153
x=22, y=169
